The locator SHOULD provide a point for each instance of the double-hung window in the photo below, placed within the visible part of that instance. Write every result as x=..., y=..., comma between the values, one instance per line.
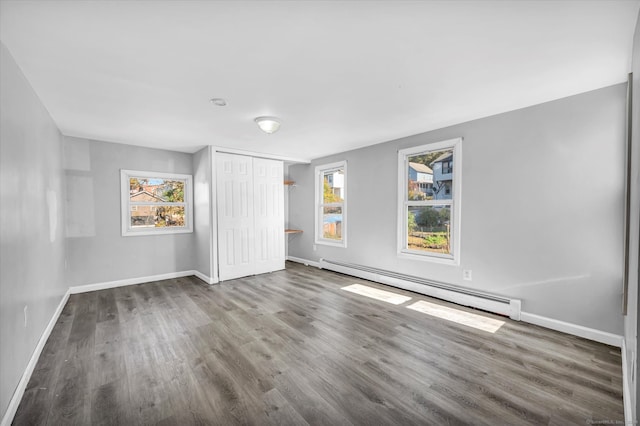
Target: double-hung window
x=429, y=215
x=155, y=203
x=331, y=205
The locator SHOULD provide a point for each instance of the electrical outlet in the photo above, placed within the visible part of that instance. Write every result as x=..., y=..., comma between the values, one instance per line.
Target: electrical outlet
x=466, y=274
x=25, y=316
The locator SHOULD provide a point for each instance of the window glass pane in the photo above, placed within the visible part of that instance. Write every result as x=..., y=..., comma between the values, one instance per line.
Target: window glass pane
x=333, y=186
x=157, y=216
x=429, y=175
x=332, y=223
x=156, y=190
x=429, y=229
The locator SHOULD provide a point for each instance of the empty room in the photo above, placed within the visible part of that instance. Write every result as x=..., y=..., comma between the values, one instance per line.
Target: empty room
x=319, y=212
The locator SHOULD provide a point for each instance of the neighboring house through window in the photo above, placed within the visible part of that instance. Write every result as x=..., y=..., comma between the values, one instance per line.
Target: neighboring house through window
x=422, y=175
x=443, y=174
x=155, y=203
x=331, y=207
x=429, y=201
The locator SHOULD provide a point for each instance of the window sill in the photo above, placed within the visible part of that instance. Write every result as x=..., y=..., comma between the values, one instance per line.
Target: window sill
x=331, y=243
x=427, y=258
x=156, y=232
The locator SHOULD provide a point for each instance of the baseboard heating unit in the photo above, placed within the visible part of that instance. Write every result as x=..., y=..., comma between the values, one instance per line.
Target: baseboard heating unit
x=463, y=296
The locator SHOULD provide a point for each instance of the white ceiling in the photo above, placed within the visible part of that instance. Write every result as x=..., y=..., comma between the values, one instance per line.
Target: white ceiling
x=340, y=75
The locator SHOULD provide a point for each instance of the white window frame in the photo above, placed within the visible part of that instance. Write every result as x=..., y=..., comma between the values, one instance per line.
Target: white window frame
x=125, y=203
x=455, y=202
x=319, y=204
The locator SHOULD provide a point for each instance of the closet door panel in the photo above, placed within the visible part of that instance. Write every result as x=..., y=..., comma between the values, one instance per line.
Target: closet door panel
x=235, y=207
x=268, y=180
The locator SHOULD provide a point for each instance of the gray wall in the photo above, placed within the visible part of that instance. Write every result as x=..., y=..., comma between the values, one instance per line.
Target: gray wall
x=60, y=203
x=552, y=238
x=631, y=320
x=96, y=250
x=202, y=179
x=31, y=223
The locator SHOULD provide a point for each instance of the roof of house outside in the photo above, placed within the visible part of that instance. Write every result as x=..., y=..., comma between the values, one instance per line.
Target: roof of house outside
x=422, y=168
x=144, y=196
x=445, y=156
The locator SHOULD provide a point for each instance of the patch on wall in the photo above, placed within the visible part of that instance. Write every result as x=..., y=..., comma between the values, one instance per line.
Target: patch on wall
x=79, y=208
x=52, y=206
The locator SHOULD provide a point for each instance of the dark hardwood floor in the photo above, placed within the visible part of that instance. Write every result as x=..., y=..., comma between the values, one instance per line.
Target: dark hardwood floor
x=292, y=348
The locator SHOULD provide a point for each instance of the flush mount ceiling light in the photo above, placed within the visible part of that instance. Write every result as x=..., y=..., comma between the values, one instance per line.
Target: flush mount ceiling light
x=268, y=124
x=218, y=101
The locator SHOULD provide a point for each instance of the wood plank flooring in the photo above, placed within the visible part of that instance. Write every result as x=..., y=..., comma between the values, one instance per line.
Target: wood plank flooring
x=292, y=348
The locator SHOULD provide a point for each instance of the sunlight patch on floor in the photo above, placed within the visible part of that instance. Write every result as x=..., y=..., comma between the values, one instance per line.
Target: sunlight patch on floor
x=461, y=317
x=375, y=293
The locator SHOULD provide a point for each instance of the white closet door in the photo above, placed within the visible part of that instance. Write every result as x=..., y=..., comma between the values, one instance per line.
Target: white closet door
x=234, y=180
x=268, y=178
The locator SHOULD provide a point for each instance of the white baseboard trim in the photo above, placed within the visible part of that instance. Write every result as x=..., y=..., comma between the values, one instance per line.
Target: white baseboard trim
x=553, y=324
x=492, y=303
x=626, y=388
x=575, y=329
x=207, y=279
x=305, y=262
x=131, y=281
x=35, y=356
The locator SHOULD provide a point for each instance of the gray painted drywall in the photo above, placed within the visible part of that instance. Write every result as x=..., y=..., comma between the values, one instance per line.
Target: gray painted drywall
x=102, y=254
x=202, y=216
x=631, y=320
x=553, y=237
x=31, y=223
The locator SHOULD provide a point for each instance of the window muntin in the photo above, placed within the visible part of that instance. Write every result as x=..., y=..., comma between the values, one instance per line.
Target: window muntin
x=331, y=186
x=429, y=201
x=155, y=203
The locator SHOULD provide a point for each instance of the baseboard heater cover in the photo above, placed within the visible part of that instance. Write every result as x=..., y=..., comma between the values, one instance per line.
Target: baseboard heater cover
x=463, y=296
